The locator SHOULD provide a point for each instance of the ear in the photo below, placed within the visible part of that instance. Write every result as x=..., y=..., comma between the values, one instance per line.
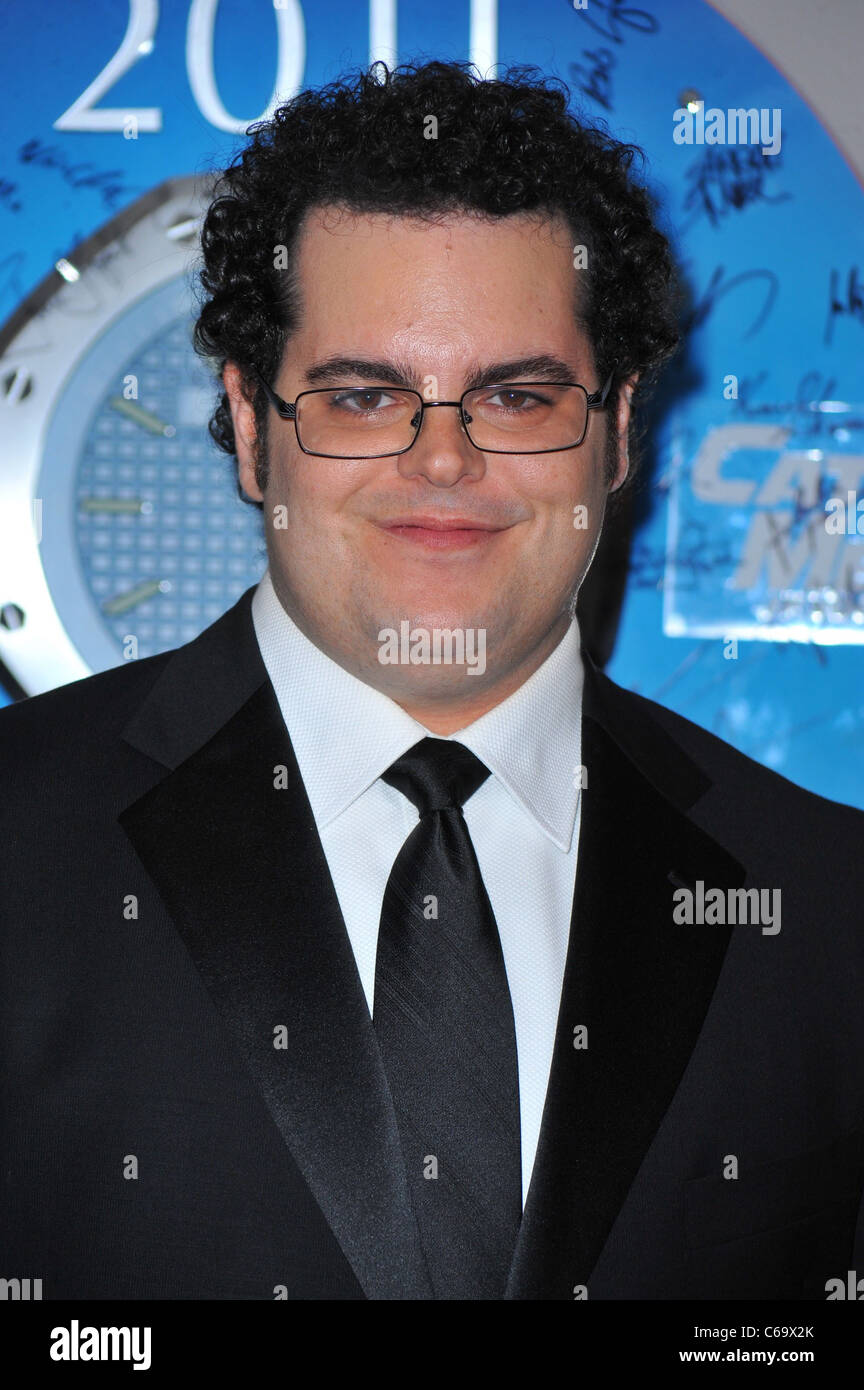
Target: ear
x=622, y=425
x=245, y=433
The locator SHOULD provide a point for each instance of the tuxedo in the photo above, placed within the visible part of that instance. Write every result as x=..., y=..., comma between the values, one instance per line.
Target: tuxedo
x=193, y=1100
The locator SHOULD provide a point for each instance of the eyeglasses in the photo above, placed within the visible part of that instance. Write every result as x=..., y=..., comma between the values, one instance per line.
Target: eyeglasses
x=371, y=422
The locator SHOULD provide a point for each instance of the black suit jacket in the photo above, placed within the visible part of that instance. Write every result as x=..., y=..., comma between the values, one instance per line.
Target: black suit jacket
x=166, y=910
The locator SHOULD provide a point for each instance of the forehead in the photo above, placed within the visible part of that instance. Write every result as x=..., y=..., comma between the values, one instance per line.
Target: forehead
x=442, y=288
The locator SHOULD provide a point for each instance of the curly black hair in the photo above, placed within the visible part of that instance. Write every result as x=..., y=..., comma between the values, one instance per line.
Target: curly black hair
x=503, y=146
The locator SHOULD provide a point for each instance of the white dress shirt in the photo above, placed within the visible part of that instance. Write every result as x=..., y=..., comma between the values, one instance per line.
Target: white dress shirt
x=523, y=820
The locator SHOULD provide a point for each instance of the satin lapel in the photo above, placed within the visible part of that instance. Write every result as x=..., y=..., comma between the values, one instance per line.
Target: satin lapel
x=637, y=982
x=231, y=845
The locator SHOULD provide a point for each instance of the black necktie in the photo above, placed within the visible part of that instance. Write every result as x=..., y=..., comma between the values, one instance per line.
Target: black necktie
x=444, y=1022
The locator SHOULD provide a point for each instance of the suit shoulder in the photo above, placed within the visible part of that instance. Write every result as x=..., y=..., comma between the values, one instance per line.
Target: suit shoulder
x=93, y=707
x=740, y=776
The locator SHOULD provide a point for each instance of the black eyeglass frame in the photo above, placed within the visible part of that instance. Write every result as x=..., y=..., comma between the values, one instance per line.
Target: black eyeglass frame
x=595, y=400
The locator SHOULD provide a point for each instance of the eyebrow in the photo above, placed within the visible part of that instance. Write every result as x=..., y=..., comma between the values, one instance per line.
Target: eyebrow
x=539, y=367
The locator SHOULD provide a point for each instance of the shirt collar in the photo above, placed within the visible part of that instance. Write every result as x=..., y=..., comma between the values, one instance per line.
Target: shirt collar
x=345, y=733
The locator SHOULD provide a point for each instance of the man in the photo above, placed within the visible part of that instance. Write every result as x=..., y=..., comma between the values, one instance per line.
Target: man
x=374, y=944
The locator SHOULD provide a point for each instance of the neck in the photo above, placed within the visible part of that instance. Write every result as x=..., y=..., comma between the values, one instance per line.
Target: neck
x=446, y=715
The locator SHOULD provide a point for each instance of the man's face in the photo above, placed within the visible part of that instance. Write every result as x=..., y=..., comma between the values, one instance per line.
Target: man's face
x=359, y=546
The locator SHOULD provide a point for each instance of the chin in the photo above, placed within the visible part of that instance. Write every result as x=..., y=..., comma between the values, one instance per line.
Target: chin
x=428, y=686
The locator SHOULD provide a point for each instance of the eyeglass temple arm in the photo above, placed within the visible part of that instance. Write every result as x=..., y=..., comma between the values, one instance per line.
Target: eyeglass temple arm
x=598, y=398
x=283, y=408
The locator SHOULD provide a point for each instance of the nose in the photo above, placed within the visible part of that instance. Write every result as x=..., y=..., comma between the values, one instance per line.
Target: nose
x=442, y=452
